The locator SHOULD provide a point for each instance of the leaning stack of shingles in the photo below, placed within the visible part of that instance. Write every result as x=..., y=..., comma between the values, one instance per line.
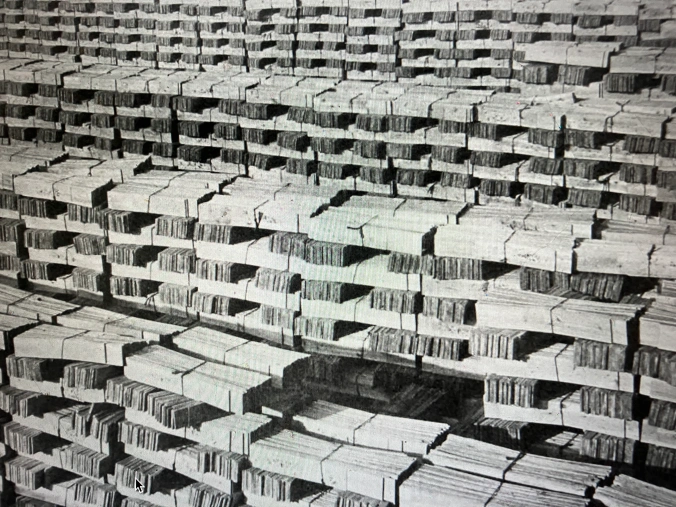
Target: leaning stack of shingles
x=74, y=402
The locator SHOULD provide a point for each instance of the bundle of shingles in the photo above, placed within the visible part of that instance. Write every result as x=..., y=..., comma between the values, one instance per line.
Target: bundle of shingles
x=396, y=341
x=362, y=428
x=626, y=491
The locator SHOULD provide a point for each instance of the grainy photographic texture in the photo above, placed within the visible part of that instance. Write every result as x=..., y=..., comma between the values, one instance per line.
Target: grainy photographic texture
x=338, y=253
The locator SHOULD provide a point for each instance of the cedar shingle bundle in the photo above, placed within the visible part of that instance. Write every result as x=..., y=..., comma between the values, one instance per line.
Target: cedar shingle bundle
x=177, y=260
x=335, y=292
x=90, y=280
x=224, y=234
x=662, y=414
x=545, y=194
x=282, y=488
x=382, y=339
x=153, y=477
x=324, y=329
x=134, y=287
x=171, y=410
x=501, y=344
x=88, y=375
x=90, y=244
x=218, y=305
x=46, y=239
x=144, y=437
x=608, y=448
x=40, y=208
x=395, y=300
x=604, y=402
x=453, y=311
x=602, y=356
x=277, y=281
x=511, y=391
x=39, y=270
x=274, y=316
x=385, y=469
x=407, y=263
x=626, y=491
x=371, y=430
x=39, y=370
x=655, y=363
x=228, y=272
x=175, y=294
x=331, y=254
x=175, y=227
x=288, y=243
x=512, y=434
x=661, y=459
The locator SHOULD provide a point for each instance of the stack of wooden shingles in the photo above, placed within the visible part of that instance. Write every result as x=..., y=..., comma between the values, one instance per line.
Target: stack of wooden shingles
x=209, y=132
x=221, y=30
x=176, y=35
x=588, y=357
x=626, y=491
x=16, y=161
x=119, y=116
x=498, y=463
x=582, y=26
x=373, y=433
x=375, y=289
x=229, y=255
x=378, y=431
x=426, y=51
x=486, y=40
x=90, y=119
x=284, y=367
x=366, y=147
x=43, y=426
x=627, y=182
x=372, y=473
x=182, y=450
x=654, y=362
x=83, y=17
x=98, y=24
x=151, y=220
x=270, y=36
x=321, y=36
x=258, y=122
x=570, y=65
x=54, y=248
x=598, y=168
x=32, y=113
x=317, y=133
x=655, y=24
x=371, y=36
x=39, y=31
x=61, y=209
x=59, y=456
x=12, y=21
x=642, y=68
x=482, y=46
x=616, y=21
x=96, y=43
x=200, y=440
x=509, y=477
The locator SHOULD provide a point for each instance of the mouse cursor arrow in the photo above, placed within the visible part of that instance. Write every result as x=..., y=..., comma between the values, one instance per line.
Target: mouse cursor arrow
x=139, y=487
